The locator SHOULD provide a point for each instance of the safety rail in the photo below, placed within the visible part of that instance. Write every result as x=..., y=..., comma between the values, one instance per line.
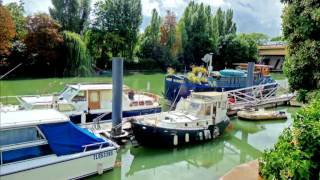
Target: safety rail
x=100, y=144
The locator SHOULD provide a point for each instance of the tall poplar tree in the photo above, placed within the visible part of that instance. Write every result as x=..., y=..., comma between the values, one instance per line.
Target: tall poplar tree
x=71, y=14
x=118, y=21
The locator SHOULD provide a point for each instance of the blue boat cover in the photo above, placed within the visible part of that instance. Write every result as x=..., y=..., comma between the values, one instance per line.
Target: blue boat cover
x=232, y=73
x=66, y=138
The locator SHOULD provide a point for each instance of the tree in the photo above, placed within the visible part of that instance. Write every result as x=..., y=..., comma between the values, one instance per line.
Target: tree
x=258, y=38
x=224, y=22
x=168, y=29
x=277, y=38
x=197, y=37
x=71, y=14
x=78, y=61
x=17, y=13
x=7, y=31
x=118, y=21
x=150, y=46
x=301, y=28
x=44, y=43
x=235, y=49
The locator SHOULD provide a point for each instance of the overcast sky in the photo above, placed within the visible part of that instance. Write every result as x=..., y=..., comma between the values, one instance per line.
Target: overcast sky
x=250, y=15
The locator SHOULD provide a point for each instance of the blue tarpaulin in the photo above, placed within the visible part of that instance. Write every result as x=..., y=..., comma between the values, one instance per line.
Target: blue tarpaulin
x=67, y=138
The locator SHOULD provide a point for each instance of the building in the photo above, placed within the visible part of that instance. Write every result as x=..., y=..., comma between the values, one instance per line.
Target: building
x=273, y=54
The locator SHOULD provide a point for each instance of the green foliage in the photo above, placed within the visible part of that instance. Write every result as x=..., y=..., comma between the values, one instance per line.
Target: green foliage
x=71, y=14
x=78, y=60
x=235, y=48
x=200, y=35
x=278, y=38
x=302, y=95
x=17, y=12
x=301, y=28
x=258, y=38
x=117, y=23
x=296, y=154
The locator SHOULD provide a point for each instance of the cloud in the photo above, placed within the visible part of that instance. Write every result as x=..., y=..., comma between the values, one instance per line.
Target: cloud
x=250, y=15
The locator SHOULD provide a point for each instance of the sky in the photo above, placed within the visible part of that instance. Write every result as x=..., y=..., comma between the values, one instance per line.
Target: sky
x=262, y=16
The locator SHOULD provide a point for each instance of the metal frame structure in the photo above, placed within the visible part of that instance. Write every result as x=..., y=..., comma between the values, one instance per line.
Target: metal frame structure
x=257, y=96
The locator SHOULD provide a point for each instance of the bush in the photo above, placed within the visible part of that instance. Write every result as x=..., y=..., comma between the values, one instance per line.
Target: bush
x=296, y=155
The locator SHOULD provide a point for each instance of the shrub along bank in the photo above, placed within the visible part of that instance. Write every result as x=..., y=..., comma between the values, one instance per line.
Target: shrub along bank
x=296, y=155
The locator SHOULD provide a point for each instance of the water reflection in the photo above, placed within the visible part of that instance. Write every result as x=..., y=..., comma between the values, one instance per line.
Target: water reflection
x=245, y=142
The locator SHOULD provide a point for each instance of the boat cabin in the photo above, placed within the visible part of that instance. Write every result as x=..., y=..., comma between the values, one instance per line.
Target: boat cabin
x=205, y=104
x=91, y=98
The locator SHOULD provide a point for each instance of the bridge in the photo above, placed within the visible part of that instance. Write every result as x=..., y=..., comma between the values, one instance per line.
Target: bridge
x=273, y=54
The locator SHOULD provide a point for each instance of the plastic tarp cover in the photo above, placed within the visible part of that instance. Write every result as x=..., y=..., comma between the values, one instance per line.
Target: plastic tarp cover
x=67, y=138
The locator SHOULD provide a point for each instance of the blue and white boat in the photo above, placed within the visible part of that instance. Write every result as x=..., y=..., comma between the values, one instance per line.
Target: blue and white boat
x=45, y=144
x=85, y=102
x=177, y=86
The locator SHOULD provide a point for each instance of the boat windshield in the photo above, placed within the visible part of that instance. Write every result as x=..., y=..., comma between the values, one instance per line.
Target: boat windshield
x=189, y=107
x=68, y=93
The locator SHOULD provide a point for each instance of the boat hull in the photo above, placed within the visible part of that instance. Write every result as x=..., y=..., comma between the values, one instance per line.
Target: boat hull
x=74, y=167
x=260, y=116
x=90, y=117
x=166, y=137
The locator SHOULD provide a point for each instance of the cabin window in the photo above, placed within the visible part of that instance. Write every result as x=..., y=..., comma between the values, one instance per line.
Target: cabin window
x=186, y=124
x=68, y=93
x=207, y=112
x=81, y=96
x=94, y=97
x=31, y=143
x=106, y=99
x=223, y=105
x=25, y=153
x=66, y=107
x=17, y=136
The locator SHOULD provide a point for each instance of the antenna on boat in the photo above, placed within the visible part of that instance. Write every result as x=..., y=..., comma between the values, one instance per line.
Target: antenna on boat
x=208, y=59
x=3, y=76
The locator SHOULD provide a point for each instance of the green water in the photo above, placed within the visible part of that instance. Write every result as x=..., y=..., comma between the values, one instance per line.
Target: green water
x=137, y=81
x=207, y=161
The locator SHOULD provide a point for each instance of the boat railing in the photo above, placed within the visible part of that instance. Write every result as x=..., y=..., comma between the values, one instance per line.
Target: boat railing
x=100, y=144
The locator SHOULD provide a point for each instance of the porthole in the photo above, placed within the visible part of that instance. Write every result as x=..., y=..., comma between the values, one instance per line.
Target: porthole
x=186, y=124
x=197, y=124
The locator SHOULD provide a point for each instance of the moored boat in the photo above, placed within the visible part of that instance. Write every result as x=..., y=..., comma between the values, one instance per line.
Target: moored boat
x=85, y=102
x=199, y=118
x=256, y=115
x=42, y=144
x=203, y=80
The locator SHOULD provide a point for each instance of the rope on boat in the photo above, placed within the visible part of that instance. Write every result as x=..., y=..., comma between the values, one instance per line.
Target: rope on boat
x=174, y=102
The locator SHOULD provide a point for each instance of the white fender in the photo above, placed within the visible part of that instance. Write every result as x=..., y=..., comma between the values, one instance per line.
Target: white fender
x=175, y=140
x=187, y=137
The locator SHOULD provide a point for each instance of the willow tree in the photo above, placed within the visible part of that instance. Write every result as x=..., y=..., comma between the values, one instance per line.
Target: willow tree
x=78, y=60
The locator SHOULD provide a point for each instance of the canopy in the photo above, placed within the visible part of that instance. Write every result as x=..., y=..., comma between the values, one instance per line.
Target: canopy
x=66, y=138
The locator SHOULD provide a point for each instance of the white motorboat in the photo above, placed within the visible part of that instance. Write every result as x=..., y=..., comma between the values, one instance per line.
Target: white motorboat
x=85, y=102
x=45, y=144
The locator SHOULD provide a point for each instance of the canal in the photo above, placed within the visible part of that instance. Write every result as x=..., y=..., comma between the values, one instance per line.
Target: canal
x=208, y=161
x=244, y=142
